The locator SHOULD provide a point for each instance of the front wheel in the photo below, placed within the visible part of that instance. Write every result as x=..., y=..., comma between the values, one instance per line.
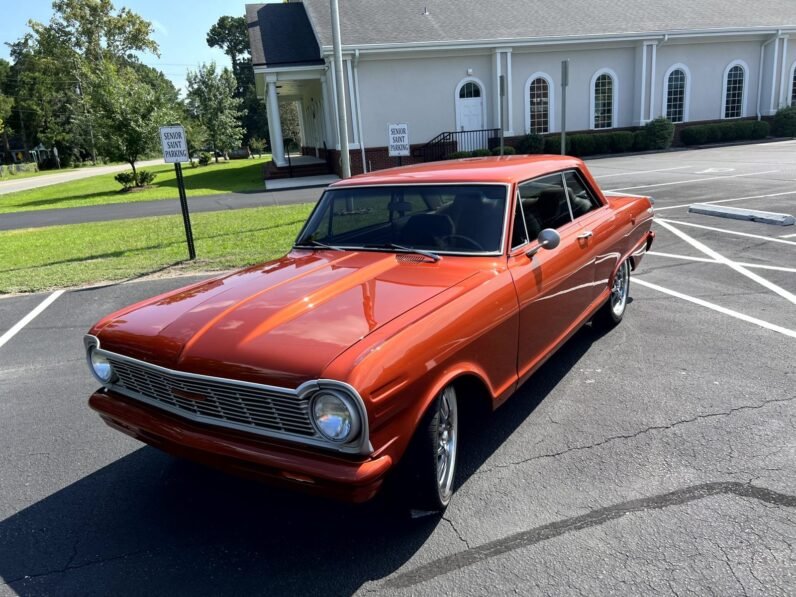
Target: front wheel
x=430, y=462
x=611, y=313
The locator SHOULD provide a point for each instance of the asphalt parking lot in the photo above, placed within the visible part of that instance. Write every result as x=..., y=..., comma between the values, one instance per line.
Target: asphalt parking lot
x=657, y=458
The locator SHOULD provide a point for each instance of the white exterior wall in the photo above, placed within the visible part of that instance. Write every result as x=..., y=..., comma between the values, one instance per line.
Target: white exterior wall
x=419, y=88
x=419, y=92
x=707, y=63
x=584, y=62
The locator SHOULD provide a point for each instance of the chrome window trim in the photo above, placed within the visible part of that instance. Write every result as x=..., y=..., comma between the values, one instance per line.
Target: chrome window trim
x=497, y=253
x=361, y=444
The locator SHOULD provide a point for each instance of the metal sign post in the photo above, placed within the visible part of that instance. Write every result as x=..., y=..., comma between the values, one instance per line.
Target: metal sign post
x=175, y=151
x=564, y=85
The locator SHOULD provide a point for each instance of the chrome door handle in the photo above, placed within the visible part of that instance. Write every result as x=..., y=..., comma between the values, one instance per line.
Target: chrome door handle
x=587, y=234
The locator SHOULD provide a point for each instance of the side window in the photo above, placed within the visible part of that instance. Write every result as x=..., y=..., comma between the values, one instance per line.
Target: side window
x=581, y=198
x=544, y=204
x=519, y=235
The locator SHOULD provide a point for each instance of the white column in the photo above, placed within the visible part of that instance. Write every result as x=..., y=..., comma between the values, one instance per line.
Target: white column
x=275, y=126
x=327, y=123
x=510, y=107
x=496, y=103
x=653, y=65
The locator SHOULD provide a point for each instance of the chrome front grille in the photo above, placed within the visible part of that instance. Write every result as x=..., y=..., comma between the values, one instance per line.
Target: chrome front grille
x=221, y=402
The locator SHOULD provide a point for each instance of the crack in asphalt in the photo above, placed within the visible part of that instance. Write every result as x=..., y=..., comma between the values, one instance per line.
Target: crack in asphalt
x=634, y=435
x=455, y=530
x=597, y=517
x=69, y=567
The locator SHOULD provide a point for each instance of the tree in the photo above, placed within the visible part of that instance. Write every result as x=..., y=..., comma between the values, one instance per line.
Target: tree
x=211, y=100
x=55, y=64
x=6, y=103
x=232, y=36
x=129, y=113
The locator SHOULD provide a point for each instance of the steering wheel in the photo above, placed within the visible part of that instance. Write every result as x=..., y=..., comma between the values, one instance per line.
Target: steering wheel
x=469, y=241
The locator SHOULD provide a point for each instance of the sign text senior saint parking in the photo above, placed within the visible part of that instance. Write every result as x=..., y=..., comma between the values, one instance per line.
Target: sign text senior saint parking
x=175, y=146
x=398, y=136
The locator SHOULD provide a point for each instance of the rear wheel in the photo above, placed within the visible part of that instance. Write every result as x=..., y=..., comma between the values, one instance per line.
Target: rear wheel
x=430, y=462
x=611, y=313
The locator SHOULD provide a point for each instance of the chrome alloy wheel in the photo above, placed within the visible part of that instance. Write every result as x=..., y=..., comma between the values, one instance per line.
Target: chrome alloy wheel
x=447, y=439
x=619, y=290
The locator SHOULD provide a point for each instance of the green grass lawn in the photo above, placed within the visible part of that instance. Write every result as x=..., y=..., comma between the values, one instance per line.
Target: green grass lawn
x=235, y=176
x=61, y=256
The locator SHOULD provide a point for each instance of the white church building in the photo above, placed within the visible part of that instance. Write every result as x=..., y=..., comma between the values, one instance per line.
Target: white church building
x=436, y=66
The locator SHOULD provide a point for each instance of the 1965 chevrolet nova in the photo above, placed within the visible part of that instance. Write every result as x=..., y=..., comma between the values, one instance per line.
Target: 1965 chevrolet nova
x=410, y=296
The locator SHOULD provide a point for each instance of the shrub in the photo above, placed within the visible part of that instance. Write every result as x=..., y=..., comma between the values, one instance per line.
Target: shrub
x=581, y=145
x=507, y=150
x=602, y=143
x=456, y=155
x=257, y=146
x=553, y=144
x=126, y=179
x=531, y=144
x=785, y=122
x=481, y=153
x=621, y=141
x=640, y=141
x=724, y=131
x=146, y=177
x=205, y=158
x=694, y=135
x=660, y=133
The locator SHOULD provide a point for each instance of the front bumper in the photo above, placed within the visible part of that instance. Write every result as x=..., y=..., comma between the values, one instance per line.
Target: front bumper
x=354, y=479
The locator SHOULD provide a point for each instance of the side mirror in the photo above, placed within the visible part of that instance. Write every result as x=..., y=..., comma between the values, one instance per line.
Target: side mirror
x=548, y=239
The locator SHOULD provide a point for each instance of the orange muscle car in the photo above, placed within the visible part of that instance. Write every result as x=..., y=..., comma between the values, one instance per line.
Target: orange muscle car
x=410, y=296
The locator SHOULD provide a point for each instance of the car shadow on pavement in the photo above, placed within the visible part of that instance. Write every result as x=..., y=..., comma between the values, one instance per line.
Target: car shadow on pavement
x=150, y=524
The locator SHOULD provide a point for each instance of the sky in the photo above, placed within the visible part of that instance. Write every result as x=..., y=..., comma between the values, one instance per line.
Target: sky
x=180, y=28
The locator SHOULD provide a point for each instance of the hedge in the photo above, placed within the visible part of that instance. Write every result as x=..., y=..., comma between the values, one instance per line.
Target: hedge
x=737, y=130
x=785, y=122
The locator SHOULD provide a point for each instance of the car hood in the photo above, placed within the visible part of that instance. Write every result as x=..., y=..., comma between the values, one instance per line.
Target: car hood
x=280, y=323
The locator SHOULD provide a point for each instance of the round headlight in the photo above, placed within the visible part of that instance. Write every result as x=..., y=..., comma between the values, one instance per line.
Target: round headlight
x=100, y=366
x=335, y=417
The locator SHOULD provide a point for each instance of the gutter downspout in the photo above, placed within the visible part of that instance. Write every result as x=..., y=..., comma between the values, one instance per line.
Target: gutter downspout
x=760, y=73
x=359, y=111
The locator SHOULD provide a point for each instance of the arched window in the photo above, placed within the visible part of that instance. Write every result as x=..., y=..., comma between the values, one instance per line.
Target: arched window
x=469, y=90
x=734, y=91
x=539, y=106
x=675, y=95
x=603, y=100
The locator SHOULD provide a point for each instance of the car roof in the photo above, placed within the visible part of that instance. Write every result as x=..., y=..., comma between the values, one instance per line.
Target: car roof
x=503, y=169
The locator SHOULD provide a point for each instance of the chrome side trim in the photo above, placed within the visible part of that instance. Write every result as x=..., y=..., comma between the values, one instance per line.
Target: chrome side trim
x=361, y=445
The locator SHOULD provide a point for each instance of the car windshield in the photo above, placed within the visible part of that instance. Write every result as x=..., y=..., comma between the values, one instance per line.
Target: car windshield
x=452, y=219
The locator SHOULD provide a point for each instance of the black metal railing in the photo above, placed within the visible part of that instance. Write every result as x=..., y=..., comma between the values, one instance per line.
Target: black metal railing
x=443, y=145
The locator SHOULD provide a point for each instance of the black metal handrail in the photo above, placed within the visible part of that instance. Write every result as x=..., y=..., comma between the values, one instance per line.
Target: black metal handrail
x=447, y=143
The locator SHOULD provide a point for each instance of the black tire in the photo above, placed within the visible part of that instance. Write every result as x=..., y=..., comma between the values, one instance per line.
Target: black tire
x=612, y=312
x=421, y=484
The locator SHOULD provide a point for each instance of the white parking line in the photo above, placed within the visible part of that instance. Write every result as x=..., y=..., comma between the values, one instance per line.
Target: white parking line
x=757, y=236
x=727, y=200
x=29, y=317
x=666, y=184
x=714, y=307
x=775, y=268
x=729, y=263
x=638, y=172
x=788, y=236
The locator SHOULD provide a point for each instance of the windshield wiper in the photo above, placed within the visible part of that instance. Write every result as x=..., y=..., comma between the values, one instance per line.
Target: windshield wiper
x=431, y=255
x=312, y=243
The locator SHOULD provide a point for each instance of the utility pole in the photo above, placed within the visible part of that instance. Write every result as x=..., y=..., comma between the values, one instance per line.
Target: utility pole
x=85, y=111
x=342, y=113
x=21, y=122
